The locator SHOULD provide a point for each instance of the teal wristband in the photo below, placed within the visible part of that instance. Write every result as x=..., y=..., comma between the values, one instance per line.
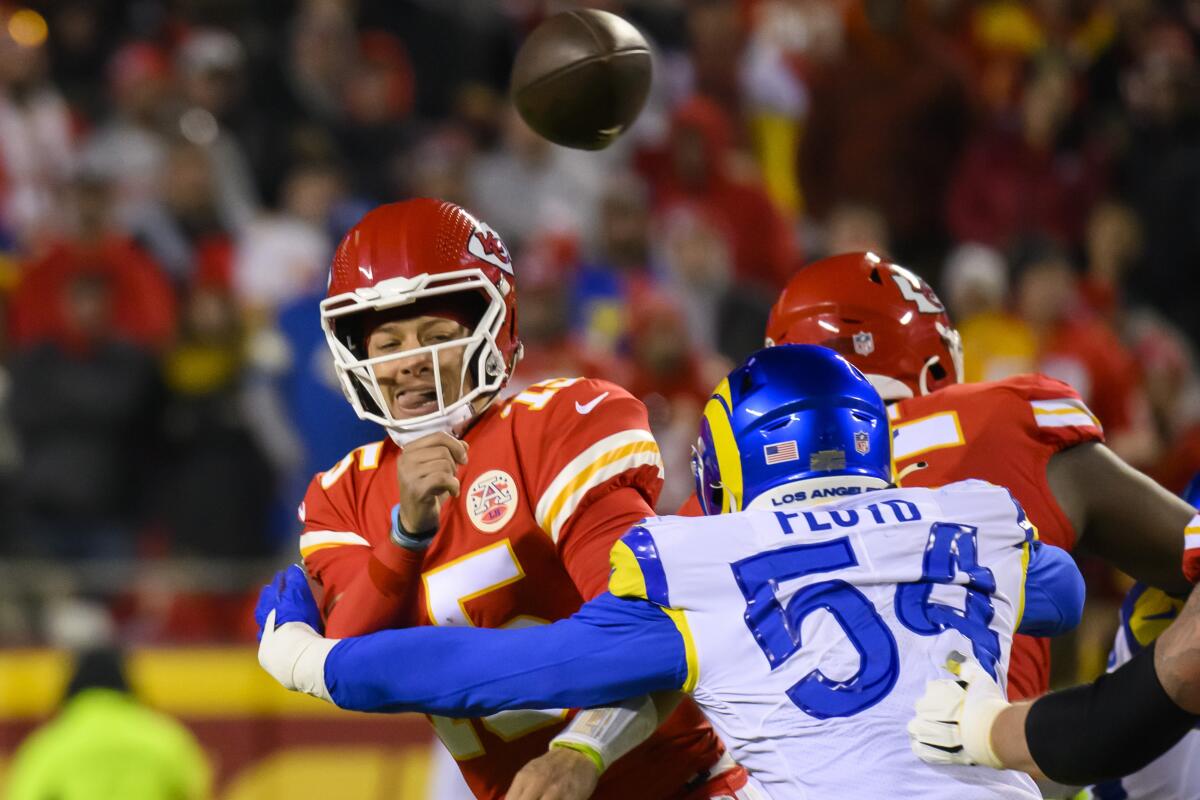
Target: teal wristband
x=403, y=538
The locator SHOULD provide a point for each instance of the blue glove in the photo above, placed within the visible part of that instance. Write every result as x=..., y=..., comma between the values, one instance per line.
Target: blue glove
x=290, y=598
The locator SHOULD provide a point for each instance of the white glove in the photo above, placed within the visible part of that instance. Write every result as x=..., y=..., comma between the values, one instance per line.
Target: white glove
x=954, y=717
x=294, y=654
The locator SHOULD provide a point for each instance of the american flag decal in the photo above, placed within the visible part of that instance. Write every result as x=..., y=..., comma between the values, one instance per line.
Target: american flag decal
x=781, y=452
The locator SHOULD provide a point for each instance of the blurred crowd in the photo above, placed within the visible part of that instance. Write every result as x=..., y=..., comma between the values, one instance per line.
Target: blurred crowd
x=174, y=175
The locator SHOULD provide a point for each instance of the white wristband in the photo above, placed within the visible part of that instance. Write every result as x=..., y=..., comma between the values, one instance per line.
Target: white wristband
x=975, y=728
x=294, y=654
x=610, y=732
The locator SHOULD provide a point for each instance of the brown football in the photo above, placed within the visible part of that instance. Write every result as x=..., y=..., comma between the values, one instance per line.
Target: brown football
x=581, y=77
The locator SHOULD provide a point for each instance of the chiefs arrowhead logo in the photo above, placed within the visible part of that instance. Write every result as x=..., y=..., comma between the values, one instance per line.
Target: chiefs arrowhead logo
x=492, y=500
x=486, y=245
x=917, y=291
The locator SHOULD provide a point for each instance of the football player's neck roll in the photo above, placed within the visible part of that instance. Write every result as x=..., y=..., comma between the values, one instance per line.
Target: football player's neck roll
x=421, y=317
x=795, y=425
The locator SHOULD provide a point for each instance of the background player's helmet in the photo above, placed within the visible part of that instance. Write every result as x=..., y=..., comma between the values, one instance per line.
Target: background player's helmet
x=795, y=423
x=426, y=254
x=879, y=315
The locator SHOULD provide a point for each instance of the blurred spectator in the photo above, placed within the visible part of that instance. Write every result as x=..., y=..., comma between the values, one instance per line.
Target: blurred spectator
x=282, y=256
x=10, y=460
x=889, y=116
x=716, y=35
x=183, y=230
x=674, y=378
x=37, y=151
x=1173, y=384
x=210, y=448
x=130, y=149
x=85, y=408
x=619, y=268
x=1017, y=178
x=296, y=92
x=697, y=173
x=293, y=373
x=322, y=50
x=1077, y=347
x=82, y=36
x=996, y=344
x=697, y=261
x=552, y=348
x=1114, y=249
x=855, y=227
x=1160, y=172
x=143, y=304
x=438, y=165
x=529, y=185
x=379, y=97
x=105, y=743
x=786, y=38
x=211, y=69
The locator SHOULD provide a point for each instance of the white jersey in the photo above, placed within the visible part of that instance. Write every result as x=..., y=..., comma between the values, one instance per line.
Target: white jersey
x=1175, y=775
x=813, y=630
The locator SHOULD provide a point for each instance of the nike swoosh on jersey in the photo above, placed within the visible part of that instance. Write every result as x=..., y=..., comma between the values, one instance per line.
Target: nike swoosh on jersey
x=586, y=408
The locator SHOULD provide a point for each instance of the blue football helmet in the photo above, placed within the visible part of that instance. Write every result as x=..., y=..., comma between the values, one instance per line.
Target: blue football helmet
x=796, y=423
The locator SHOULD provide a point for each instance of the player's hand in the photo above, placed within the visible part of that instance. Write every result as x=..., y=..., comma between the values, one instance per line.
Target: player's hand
x=954, y=717
x=291, y=598
x=291, y=648
x=428, y=473
x=560, y=774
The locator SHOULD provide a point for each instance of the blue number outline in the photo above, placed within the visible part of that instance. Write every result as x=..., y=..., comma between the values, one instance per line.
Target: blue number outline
x=952, y=548
x=776, y=628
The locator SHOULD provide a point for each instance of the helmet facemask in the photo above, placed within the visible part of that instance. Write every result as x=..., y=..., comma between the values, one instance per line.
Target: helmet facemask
x=482, y=359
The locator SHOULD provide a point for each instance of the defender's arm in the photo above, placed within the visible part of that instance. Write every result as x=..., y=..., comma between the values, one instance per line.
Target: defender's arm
x=613, y=648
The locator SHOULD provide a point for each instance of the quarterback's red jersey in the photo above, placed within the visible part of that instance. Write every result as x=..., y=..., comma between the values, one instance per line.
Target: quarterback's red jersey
x=1003, y=432
x=508, y=553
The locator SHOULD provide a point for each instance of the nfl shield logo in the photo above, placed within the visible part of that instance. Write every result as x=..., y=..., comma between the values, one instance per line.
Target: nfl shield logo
x=864, y=343
x=862, y=442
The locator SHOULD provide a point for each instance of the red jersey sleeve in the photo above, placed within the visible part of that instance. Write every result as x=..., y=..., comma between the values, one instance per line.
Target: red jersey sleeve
x=361, y=587
x=331, y=547
x=586, y=441
x=1056, y=412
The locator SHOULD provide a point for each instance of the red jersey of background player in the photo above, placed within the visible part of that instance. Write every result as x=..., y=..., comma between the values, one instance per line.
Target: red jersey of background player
x=1003, y=432
x=506, y=555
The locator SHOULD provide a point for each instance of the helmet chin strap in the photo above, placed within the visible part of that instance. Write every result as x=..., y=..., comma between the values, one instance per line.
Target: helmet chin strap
x=889, y=389
x=453, y=423
x=925, y=371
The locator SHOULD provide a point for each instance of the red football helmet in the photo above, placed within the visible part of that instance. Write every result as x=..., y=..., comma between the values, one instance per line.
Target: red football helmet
x=883, y=318
x=418, y=250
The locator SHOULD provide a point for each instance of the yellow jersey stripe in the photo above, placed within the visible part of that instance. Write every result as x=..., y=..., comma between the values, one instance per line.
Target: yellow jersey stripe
x=609, y=457
x=1025, y=553
x=626, y=578
x=689, y=647
x=312, y=541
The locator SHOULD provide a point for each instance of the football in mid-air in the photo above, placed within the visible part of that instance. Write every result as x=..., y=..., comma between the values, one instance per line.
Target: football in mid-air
x=581, y=77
